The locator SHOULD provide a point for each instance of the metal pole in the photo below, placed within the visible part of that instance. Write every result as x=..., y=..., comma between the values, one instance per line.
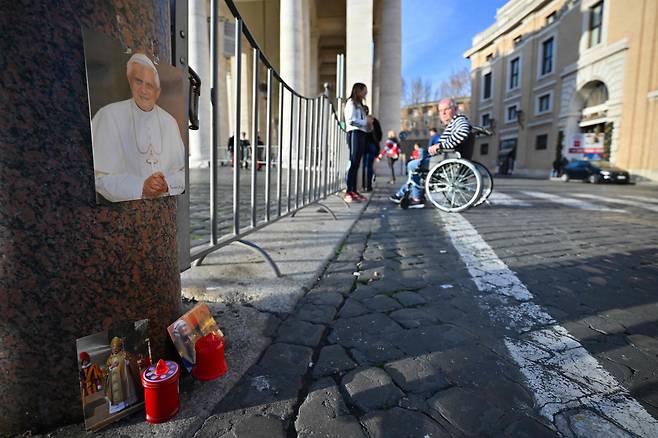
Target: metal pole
x=307, y=103
x=236, y=133
x=299, y=141
x=254, y=132
x=268, y=145
x=214, y=147
x=279, y=158
x=311, y=154
x=289, y=173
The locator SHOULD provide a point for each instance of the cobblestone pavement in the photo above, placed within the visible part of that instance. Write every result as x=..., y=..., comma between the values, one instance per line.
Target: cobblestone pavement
x=535, y=316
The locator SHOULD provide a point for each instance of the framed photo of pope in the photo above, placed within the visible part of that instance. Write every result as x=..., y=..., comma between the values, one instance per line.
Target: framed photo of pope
x=136, y=112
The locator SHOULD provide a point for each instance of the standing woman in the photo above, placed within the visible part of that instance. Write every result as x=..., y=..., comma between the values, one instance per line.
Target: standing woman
x=357, y=125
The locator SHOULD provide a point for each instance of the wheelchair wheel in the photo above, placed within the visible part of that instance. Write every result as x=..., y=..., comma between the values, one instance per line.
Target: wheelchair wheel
x=487, y=182
x=453, y=185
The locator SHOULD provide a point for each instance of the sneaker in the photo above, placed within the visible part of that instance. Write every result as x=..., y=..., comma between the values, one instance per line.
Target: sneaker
x=348, y=197
x=395, y=198
x=416, y=203
x=359, y=196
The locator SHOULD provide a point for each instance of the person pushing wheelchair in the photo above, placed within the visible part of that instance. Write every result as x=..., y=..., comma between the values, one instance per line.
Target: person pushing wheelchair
x=456, y=133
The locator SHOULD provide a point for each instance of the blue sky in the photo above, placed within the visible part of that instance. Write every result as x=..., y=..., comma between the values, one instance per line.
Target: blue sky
x=436, y=33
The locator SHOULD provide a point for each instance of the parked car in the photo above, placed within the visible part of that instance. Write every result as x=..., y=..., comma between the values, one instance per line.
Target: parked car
x=595, y=172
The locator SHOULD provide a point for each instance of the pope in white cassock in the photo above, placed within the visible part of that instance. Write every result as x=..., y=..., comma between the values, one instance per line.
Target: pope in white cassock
x=138, y=151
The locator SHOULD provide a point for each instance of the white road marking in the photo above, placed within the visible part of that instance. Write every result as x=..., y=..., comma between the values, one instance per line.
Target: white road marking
x=618, y=201
x=571, y=202
x=498, y=198
x=642, y=198
x=561, y=373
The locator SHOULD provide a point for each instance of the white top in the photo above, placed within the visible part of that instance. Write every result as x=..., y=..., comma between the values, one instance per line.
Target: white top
x=130, y=145
x=355, y=117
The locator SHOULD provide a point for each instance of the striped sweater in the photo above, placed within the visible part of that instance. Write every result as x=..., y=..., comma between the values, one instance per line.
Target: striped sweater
x=456, y=133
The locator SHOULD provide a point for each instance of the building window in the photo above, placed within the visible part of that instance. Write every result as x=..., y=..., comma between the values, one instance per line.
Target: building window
x=544, y=103
x=518, y=40
x=511, y=115
x=595, y=24
x=514, y=70
x=484, y=148
x=550, y=18
x=486, y=86
x=541, y=142
x=486, y=120
x=547, y=56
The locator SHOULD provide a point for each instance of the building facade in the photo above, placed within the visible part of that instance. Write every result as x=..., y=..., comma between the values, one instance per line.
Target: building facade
x=573, y=78
x=301, y=38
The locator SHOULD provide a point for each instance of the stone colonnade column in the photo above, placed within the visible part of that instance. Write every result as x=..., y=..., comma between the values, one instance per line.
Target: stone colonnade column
x=359, y=45
x=390, y=53
x=69, y=267
x=292, y=58
x=199, y=55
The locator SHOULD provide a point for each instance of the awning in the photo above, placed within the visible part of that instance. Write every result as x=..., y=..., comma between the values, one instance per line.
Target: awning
x=505, y=151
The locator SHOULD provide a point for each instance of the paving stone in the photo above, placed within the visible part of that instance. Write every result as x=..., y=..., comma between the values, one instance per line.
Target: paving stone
x=409, y=299
x=467, y=364
x=286, y=359
x=257, y=426
x=401, y=423
x=529, y=428
x=333, y=359
x=323, y=298
x=352, y=308
x=324, y=414
x=465, y=410
x=430, y=338
x=417, y=375
x=316, y=314
x=346, y=331
x=371, y=389
x=413, y=402
x=381, y=303
x=413, y=318
x=375, y=350
x=584, y=424
x=364, y=292
x=294, y=331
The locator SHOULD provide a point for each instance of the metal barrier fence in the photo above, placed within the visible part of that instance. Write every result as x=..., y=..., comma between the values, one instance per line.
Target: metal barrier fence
x=309, y=153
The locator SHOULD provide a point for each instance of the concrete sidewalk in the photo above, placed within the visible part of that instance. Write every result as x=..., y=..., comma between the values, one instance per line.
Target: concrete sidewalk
x=249, y=303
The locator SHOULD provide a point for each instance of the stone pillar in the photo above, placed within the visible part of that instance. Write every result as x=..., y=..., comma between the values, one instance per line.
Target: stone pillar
x=359, y=45
x=389, y=53
x=199, y=47
x=291, y=60
x=69, y=268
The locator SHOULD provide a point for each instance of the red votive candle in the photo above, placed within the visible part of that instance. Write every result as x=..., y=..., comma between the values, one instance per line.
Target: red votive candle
x=210, y=361
x=161, y=400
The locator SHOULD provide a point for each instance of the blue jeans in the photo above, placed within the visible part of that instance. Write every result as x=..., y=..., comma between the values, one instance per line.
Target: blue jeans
x=356, y=141
x=412, y=171
x=368, y=165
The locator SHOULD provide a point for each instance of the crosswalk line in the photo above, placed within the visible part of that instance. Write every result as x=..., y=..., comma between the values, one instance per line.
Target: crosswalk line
x=571, y=202
x=563, y=377
x=498, y=198
x=637, y=204
x=642, y=198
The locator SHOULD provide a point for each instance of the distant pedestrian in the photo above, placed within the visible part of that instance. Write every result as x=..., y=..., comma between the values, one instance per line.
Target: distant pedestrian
x=373, y=138
x=392, y=152
x=357, y=126
x=244, y=149
x=229, y=147
x=415, y=152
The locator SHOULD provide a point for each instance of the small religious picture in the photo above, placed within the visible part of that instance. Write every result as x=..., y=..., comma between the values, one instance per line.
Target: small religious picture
x=136, y=113
x=188, y=329
x=110, y=364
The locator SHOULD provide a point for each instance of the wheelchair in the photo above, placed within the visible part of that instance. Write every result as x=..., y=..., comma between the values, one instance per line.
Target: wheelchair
x=453, y=183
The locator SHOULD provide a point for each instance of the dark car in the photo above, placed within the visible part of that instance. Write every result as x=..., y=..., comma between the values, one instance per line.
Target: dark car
x=595, y=172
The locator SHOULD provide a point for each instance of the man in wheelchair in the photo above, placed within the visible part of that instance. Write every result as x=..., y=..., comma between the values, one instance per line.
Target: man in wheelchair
x=455, y=135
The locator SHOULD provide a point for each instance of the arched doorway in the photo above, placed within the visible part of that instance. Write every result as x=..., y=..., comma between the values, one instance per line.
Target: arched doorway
x=588, y=130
